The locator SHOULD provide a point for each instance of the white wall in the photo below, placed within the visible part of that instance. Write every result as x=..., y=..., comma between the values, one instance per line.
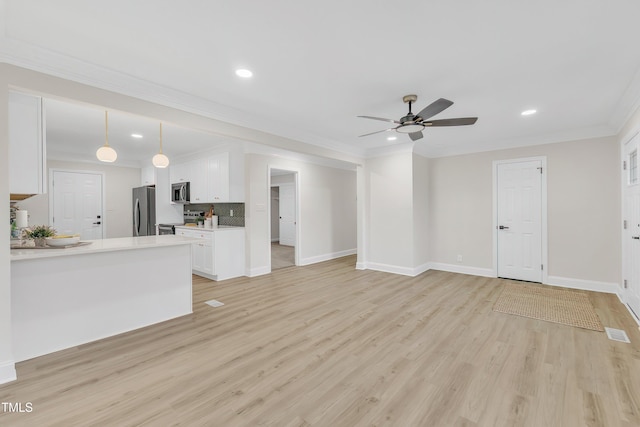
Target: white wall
x=420, y=212
x=166, y=212
x=118, y=182
x=7, y=367
x=583, y=180
x=389, y=186
x=327, y=210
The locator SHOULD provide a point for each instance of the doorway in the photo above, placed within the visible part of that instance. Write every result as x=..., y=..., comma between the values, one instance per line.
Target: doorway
x=631, y=226
x=520, y=219
x=283, y=218
x=76, y=204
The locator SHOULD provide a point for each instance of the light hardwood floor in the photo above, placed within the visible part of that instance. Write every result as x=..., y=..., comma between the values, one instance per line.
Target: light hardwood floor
x=326, y=345
x=282, y=256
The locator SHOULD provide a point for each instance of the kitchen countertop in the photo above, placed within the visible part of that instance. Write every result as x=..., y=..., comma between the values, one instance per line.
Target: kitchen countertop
x=220, y=227
x=103, y=245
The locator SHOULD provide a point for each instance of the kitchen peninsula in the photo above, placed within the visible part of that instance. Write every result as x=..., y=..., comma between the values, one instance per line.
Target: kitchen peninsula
x=61, y=298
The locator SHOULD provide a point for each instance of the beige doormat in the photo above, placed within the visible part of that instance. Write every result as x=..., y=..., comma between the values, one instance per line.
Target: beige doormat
x=553, y=305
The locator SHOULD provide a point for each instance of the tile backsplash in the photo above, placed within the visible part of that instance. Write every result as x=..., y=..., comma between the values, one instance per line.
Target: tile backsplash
x=223, y=210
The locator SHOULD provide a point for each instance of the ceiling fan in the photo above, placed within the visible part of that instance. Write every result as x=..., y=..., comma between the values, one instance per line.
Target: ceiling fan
x=413, y=124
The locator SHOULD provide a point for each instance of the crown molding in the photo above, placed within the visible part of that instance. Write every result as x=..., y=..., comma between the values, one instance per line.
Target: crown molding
x=627, y=105
x=506, y=144
x=46, y=61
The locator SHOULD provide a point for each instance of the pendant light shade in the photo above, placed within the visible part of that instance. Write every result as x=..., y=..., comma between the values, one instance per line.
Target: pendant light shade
x=106, y=153
x=160, y=160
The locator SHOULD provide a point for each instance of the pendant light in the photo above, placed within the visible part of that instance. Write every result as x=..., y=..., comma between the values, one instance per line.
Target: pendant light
x=160, y=160
x=106, y=153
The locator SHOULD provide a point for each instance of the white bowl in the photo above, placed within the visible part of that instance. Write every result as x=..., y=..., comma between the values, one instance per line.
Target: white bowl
x=64, y=241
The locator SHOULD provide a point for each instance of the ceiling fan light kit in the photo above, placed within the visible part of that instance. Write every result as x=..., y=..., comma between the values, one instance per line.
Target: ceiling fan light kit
x=413, y=124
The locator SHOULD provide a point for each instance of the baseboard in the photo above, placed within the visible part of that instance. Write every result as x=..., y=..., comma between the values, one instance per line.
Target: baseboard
x=326, y=257
x=624, y=302
x=582, y=284
x=258, y=271
x=462, y=269
x=277, y=239
x=7, y=372
x=387, y=268
x=361, y=265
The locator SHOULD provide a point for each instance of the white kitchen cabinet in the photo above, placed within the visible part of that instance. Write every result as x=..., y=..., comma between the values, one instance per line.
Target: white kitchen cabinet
x=179, y=172
x=208, y=177
x=27, y=159
x=218, y=177
x=218, y=254
x=199, y=181
x=148, y=175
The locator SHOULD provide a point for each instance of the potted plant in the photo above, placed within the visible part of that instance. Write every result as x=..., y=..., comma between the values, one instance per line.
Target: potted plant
x=39, y=233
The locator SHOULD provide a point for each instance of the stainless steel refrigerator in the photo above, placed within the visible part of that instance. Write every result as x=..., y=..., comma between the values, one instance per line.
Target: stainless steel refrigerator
x=144, y=211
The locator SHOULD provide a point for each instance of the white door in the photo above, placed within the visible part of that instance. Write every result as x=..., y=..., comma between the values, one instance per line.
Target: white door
x=77, y=204
x=287, y=214
x=631, y=232
x=519, y=220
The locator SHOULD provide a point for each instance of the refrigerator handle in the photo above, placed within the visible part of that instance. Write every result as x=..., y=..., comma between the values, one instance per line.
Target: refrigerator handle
x=136, y=217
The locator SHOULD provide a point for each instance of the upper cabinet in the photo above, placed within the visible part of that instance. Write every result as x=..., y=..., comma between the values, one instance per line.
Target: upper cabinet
x=27, y=159
x=218, y=177
x=179, y=172
x=209, y=179
x=148, y=175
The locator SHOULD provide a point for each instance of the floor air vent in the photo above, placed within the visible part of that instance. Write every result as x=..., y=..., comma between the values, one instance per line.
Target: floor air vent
x=216, y=303
x=617, y=335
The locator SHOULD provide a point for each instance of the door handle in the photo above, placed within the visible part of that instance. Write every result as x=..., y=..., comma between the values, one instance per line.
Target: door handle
x=503, y=227
x=97, y=223
x=635, y=237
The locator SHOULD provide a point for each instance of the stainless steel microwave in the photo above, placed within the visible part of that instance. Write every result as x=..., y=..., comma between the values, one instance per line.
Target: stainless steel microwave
x=180, y=192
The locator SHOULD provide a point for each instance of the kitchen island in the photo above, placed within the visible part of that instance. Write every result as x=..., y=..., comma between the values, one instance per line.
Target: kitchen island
x=62, y=298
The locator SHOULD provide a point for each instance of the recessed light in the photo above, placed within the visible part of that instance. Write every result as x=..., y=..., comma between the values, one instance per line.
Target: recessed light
x=136, y=135
x=242, y=72
x=392, y=138
x=528, y=112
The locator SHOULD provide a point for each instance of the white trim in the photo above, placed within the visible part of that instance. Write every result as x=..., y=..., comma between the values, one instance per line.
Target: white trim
x=8, y=372
x=463, y=269
x=582, y=284
x=258, y=271
x=362, y=203
x=633, y=315
x=327, y=257
x=405, y=271
x=296, y=183
x=543, y=214
x=103, y=189
x=623, y=295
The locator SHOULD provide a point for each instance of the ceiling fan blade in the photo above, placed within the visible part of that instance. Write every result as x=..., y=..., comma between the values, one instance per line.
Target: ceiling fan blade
x=380, y=118
x=434, y=108
x=452, y=122
x=415, y=135
x=378, y=131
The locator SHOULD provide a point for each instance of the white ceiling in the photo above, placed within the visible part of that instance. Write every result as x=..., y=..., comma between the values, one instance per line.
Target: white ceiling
x=75, y=131
x=317, y=65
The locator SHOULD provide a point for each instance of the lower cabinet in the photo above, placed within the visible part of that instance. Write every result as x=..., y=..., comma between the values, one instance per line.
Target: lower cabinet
x=218, y=254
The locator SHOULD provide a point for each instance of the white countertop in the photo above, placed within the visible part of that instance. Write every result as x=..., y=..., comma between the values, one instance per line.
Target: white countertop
x=219, y=228
x=103, y=245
